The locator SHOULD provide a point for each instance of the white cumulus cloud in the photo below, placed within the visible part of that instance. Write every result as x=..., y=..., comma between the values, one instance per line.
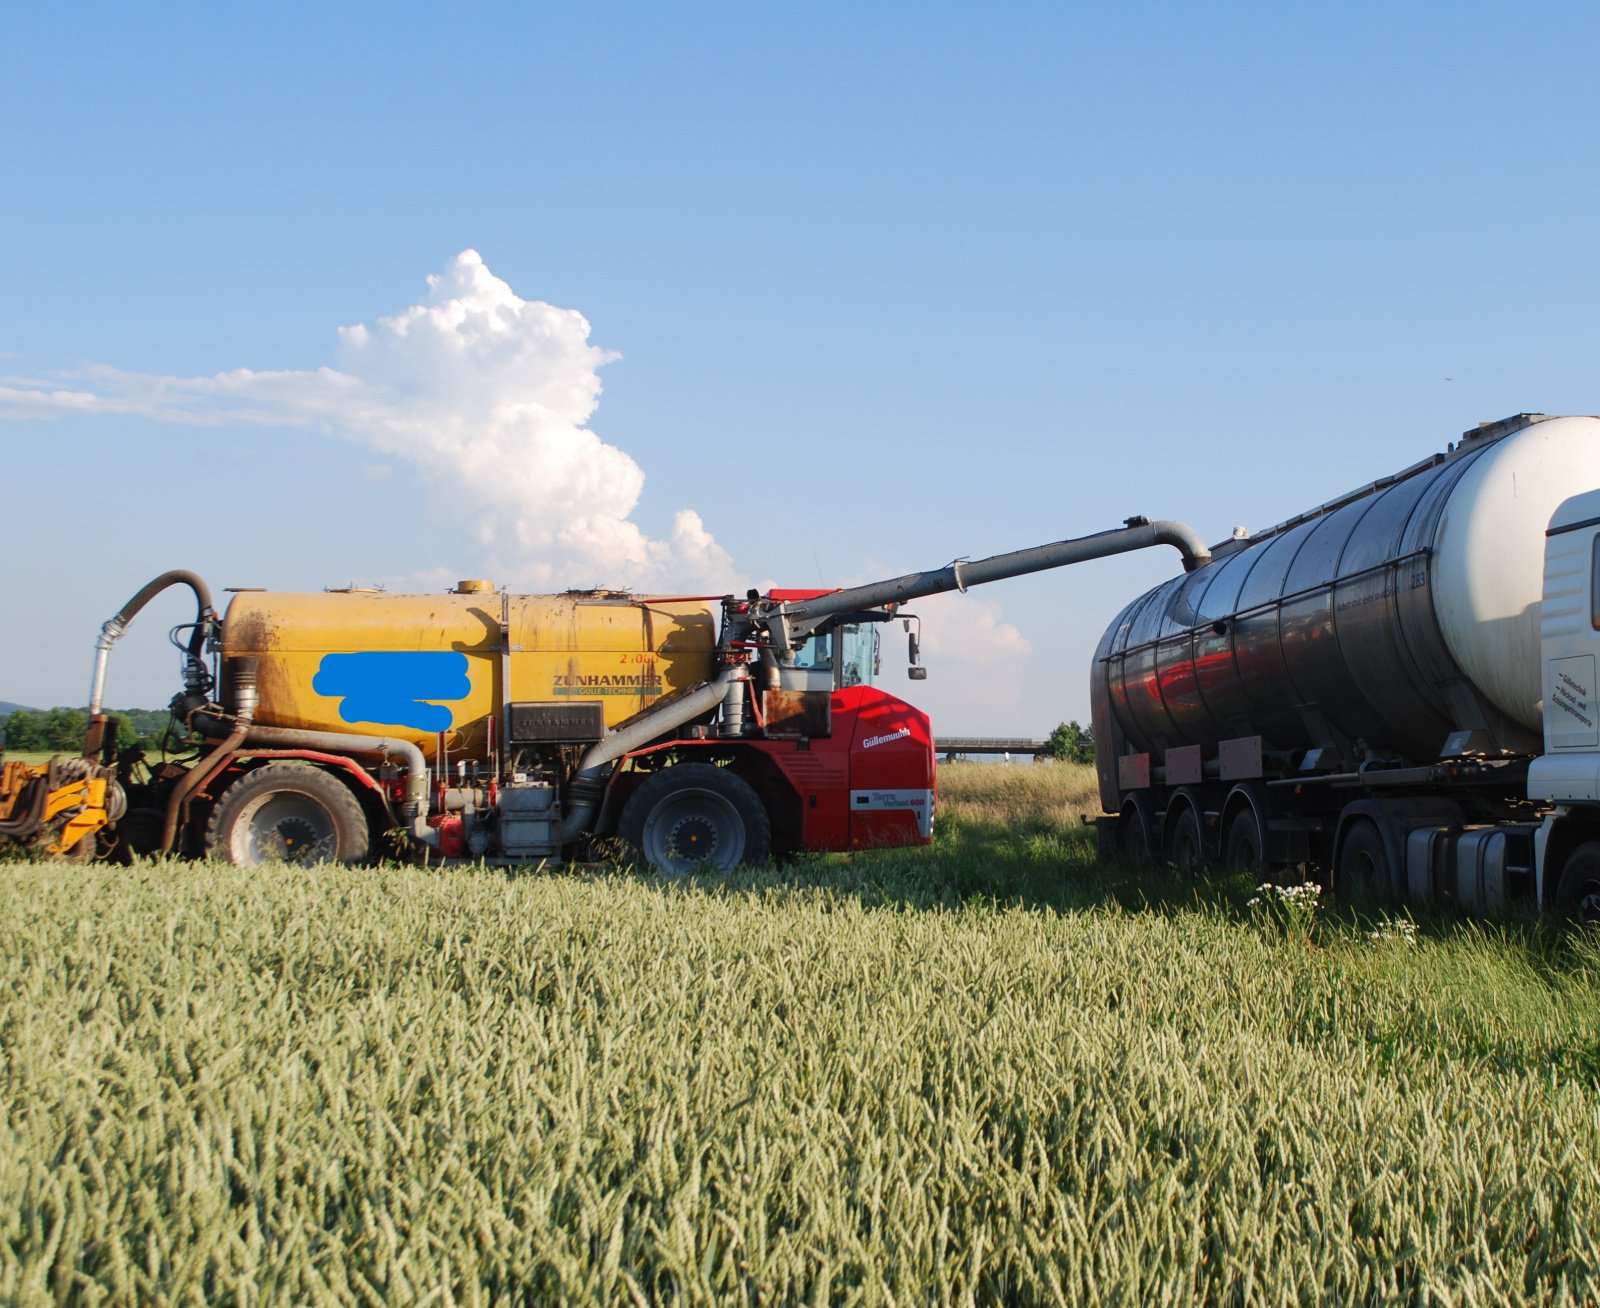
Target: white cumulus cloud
x=473, y=385
x=976, y=666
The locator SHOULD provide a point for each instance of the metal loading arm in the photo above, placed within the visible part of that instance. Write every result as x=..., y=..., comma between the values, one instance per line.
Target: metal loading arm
x=790, y=621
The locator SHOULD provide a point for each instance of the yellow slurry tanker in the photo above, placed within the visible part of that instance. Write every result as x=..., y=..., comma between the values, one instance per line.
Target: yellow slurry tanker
x=487, y=726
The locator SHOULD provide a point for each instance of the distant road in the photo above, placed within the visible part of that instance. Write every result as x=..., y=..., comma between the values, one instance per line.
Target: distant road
x=950, y=747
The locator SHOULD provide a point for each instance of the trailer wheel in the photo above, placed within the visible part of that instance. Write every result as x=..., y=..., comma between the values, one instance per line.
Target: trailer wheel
x=1363, y=874
x=1578, y=891
x=695, y=815
x=1242, y=849
x=1186, y=847
x=1132, y=847
x=287, y=813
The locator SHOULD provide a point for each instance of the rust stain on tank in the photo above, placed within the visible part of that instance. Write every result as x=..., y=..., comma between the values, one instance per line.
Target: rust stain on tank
x=277, y=695
x=250, y=632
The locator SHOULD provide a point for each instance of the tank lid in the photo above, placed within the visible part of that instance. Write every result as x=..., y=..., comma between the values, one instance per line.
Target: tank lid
x=474, y=586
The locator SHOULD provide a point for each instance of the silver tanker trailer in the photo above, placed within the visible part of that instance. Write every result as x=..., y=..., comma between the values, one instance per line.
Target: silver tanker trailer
x=1397, y=688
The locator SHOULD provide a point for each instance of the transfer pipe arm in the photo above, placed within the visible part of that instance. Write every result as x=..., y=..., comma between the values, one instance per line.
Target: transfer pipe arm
x=1138, y=534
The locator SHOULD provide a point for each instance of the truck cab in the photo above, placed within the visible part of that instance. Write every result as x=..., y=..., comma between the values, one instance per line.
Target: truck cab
x=1567, y=774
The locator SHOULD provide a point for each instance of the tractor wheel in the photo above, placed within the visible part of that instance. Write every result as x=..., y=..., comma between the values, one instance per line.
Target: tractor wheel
x=287, y=813
x=695, y=815
x=138, y=834
x=85, y=851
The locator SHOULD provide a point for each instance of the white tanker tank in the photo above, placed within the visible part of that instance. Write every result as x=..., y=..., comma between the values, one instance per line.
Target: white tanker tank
x=1358, y=644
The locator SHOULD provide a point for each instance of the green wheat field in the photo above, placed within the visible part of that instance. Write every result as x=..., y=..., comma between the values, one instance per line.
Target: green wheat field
x=991, y=1073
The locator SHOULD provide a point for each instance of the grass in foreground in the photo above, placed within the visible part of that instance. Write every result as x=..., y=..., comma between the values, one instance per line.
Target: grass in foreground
x=991, y=1072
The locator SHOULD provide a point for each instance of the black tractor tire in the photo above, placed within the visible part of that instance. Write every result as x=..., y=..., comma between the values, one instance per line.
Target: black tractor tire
x=695, y=815
x=138, y=835
x=1363, y=875
x=288, y=813
x=87, y=850
x=1186, y=849
x=1578, y=891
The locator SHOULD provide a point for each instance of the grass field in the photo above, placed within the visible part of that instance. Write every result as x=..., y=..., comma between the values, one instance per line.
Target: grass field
x=987, y=1073
x=28, y=756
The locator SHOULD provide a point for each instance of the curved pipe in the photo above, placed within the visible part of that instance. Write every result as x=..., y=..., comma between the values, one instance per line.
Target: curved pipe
x=112, y=630
x=1138, y=534
x=1185, y=539
x=415, y=809
x=585, y=790
x=196, y=777
x=202, y=772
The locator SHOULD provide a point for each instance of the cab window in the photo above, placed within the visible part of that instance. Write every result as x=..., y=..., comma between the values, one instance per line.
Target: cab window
x=816, y=655
x=859, y=654
x=1594, y=585
x=850, y=652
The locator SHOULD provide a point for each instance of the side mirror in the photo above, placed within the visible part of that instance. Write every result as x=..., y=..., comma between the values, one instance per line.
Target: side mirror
x=914, y=647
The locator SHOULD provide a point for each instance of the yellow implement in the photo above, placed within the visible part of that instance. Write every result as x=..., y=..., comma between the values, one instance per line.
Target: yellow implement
x=55, y=808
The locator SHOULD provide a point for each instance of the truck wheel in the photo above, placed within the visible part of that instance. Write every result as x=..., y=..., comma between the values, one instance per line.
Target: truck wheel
x=1242, y=849
x=694, y=815
x=1578, y=891
x=1363, y=874
x=287, y=813
x=1185, y=847
x=1132, y=847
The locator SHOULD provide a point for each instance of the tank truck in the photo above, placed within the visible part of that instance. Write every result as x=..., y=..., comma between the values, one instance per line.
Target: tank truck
x=1397, y=688
x=487, y=726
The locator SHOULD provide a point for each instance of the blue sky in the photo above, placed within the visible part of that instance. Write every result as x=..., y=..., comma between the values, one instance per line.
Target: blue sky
x=889, y=284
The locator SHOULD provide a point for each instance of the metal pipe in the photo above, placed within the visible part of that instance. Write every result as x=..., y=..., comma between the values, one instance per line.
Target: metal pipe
x=244, y=680
x=731, y=724
x=586, y=783
x=112, y=630
x=1140, y=533
x=585, y=790
x=415, y=809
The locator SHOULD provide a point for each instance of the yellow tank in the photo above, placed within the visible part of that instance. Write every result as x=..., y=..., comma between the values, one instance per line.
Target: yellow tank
x=411, y=666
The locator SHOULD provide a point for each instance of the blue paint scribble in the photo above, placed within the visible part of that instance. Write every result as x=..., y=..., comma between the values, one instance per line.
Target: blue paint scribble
x=388, y=686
